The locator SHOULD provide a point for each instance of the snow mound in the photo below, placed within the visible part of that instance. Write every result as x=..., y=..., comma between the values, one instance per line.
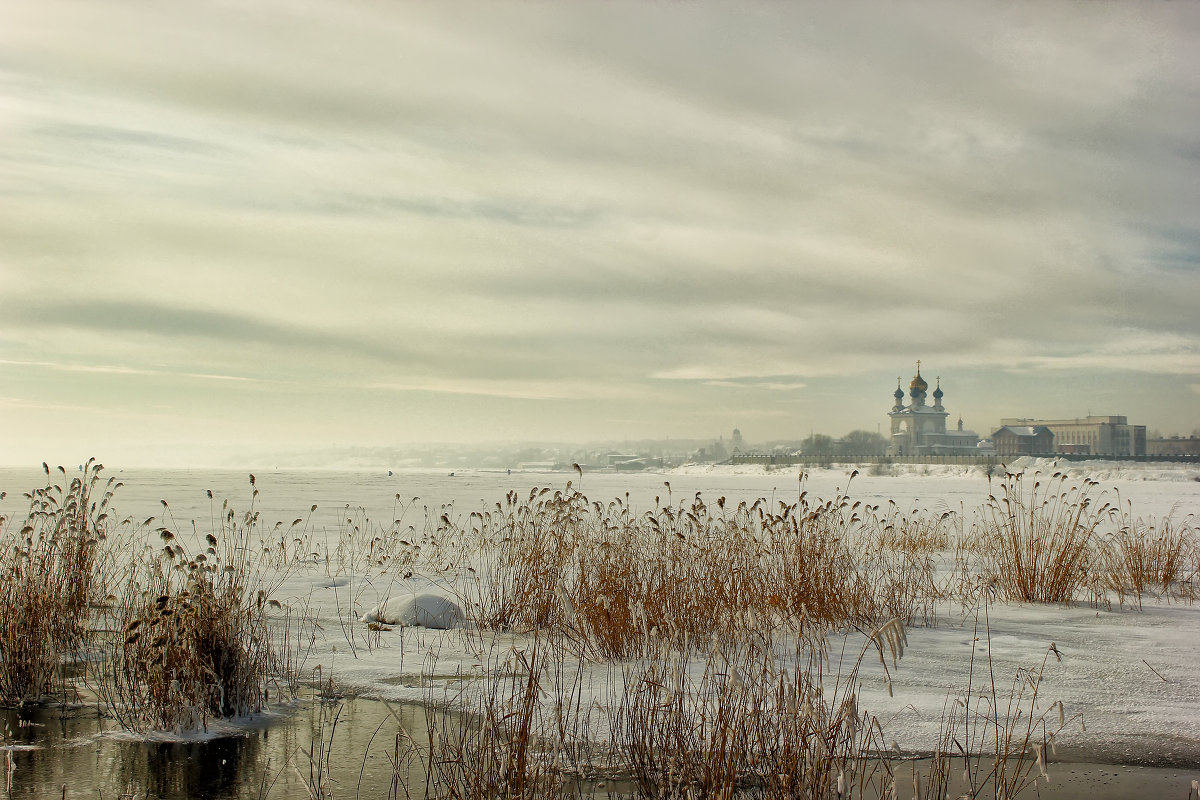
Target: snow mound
x=426, y=610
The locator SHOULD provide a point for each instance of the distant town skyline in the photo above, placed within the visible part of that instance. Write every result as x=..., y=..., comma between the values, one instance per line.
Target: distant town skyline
x=282, y=227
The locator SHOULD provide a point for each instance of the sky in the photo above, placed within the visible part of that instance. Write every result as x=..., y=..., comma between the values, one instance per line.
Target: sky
x=231, y=227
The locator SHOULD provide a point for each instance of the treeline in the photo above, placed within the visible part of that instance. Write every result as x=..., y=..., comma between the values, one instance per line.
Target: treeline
x=854, y=443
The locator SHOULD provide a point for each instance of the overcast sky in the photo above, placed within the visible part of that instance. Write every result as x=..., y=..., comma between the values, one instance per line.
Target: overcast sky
x=282, y=224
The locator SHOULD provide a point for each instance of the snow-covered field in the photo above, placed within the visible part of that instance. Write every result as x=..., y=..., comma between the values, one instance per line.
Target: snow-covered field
x=1130, y=677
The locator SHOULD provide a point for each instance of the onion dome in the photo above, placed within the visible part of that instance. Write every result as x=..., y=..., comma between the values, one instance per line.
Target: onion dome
x=918, y=383
x=899, y=395
x=937, y=393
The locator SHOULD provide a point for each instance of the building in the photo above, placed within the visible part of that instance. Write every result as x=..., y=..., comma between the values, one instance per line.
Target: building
x=1174, y=446
x=1093, y=435
x=1023, y=440
x=920, y=430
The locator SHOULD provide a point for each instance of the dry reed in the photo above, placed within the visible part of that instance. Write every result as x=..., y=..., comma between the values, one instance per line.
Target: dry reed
x=189, y=638
x=501, y=739
x=1039, y=542
x=755, y=722
x=53, y=571
x=1148, y=556
x=618, y=583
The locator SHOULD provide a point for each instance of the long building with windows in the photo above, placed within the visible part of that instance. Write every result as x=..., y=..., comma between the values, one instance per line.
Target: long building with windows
x=1093, y=435
x=1023, y=440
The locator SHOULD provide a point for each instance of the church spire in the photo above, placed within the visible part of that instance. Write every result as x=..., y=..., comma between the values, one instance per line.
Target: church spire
x=917, y=387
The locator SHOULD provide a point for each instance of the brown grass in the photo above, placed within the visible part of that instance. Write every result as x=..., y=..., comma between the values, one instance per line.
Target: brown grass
x=525, y=549
x=189, y=639
x=617, y=583
x=1143, y=557
x=1037, y=535
x=53, y=571
x=754, y=722
x=501, y=738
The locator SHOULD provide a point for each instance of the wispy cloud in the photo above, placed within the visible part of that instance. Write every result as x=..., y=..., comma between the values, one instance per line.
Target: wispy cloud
x=1125, y=350
x=24, y=404
x=113, y=369
x=774, y=386
x=572, y=390
x=592, y=213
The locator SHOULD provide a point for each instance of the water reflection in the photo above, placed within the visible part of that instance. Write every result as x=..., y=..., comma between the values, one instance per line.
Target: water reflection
x=219, y=768
x=354, y=745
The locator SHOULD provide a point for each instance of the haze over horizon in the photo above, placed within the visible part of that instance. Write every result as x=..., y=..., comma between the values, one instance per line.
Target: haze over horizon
x=303, y=224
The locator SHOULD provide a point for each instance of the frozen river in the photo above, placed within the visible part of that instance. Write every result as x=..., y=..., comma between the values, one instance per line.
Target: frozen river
x=1132, y=674
x=1153, y=489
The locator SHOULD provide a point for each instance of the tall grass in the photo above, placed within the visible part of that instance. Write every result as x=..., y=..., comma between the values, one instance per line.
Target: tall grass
x=617, y=583
x=189, y=638
x=754, y=719
x=659, y=589
x=502, y=738
x=1152, y=556
x=53, y=571
x=715, y=617
x=525, y=551
x=1039, y=538
x=754, y=722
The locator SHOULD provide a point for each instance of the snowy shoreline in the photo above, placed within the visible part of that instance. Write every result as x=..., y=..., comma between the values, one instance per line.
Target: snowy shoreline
x=1132, y=674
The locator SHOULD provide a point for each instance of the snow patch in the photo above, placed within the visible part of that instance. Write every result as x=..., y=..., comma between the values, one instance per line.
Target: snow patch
x=426, y=610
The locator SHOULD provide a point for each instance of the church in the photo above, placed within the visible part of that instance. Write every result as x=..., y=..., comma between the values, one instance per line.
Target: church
x=920, y=430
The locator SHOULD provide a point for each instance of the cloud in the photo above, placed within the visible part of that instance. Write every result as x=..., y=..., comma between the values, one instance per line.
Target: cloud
x=162, y=321
x=513, y=389
x=23, y=404
x=110, y=369
x=1124, y=350
x=598, y=205
x=774, y=386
